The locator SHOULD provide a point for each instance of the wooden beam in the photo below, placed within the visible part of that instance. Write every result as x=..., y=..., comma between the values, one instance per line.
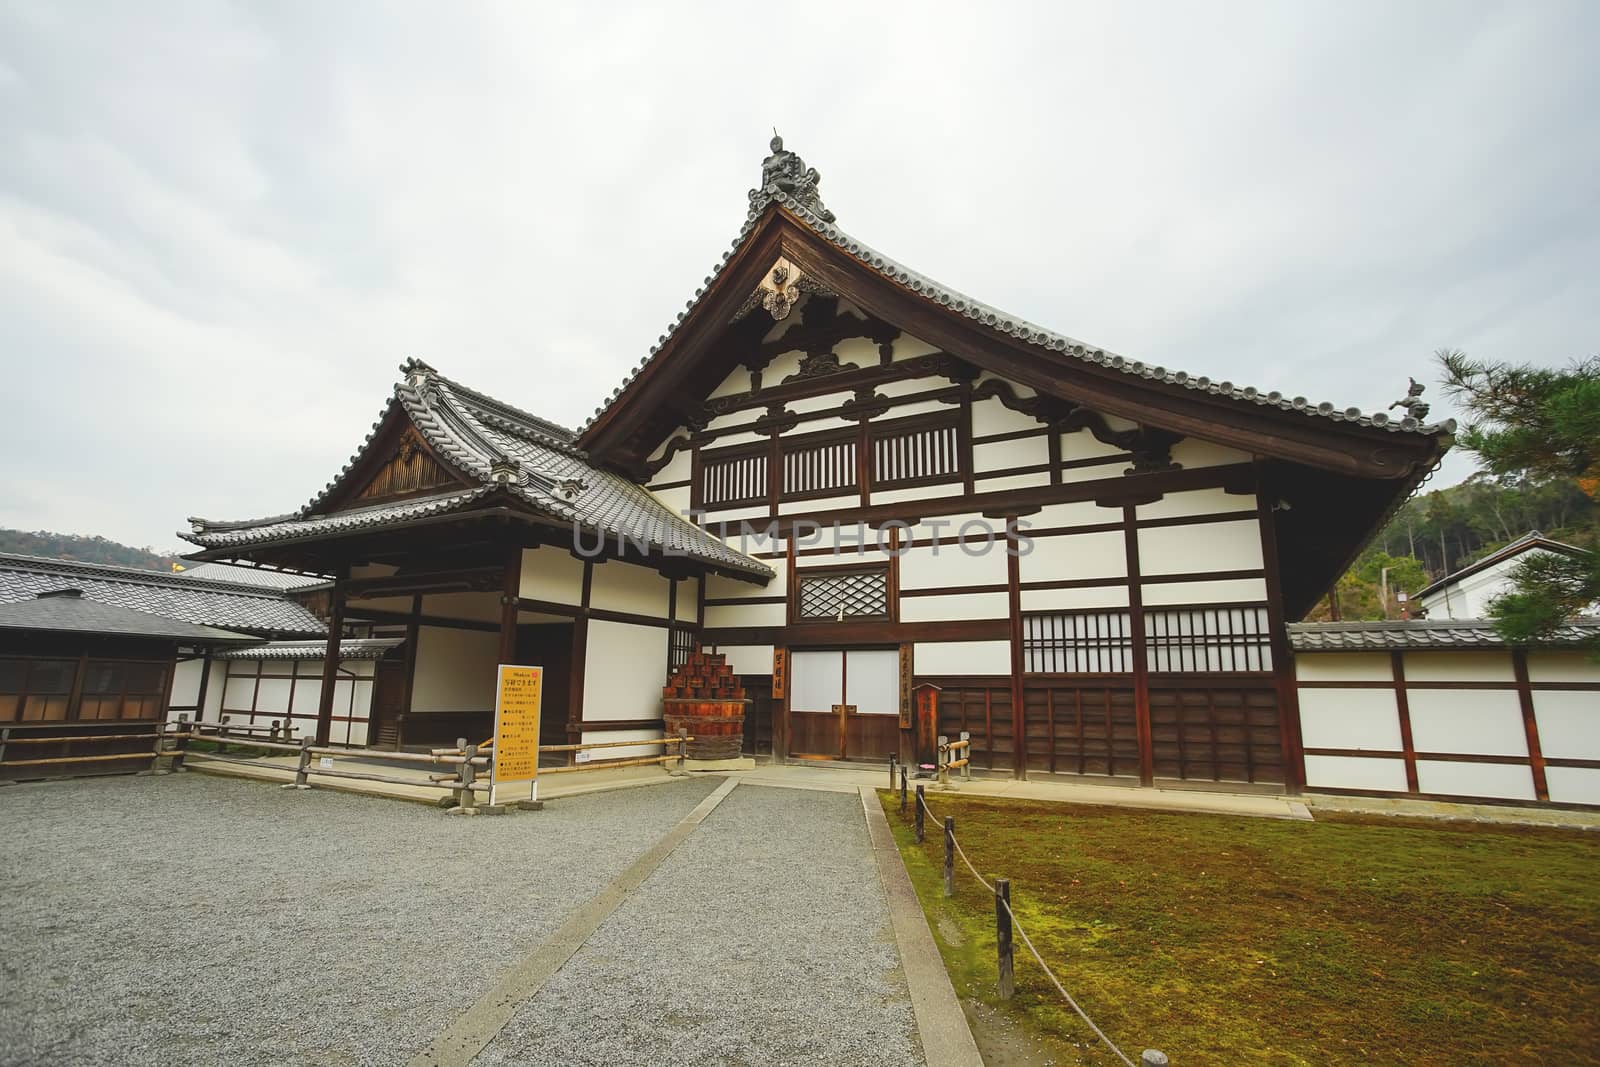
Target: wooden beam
x=1141, y=674
x=1019, y=719
x=1402, y=706
x=330, y=658
x=511, y=590
x=1530, y=724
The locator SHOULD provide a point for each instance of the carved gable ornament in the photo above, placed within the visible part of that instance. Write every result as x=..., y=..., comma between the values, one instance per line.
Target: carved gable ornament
x=409, y=469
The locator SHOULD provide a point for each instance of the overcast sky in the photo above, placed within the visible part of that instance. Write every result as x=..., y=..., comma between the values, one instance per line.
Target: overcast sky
x=222, y=227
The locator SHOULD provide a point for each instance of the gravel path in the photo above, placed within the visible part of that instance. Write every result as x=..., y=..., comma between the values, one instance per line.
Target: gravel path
x=191, y=919
x=764, y=939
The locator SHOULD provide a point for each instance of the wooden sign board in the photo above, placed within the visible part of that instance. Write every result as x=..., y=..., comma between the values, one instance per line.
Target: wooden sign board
x=516, y=733
x=780, y=672
x=906, y=713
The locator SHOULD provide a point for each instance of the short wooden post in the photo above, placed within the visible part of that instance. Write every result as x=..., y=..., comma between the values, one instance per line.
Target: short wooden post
x=1002, y=935
x=949, y=855
x=222, y=734
x=1153, y=1057
x=966, y=768
x=288, y=731
x=181, y=740
x=272, y=735
x=5, y=735
x=303, y=769
x=464, y=796
x=891, y=770
x=920, y=809
x=683, y=750
x=902, y=789
x=944, y=758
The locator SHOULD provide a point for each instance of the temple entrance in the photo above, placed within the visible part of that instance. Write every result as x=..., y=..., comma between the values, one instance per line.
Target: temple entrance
x=844, y=704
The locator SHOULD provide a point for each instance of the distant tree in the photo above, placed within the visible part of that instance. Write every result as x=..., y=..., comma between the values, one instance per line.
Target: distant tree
x=1534, y=423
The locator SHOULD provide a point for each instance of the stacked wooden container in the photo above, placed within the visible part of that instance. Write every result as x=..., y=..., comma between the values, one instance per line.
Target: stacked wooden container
x=704, y=697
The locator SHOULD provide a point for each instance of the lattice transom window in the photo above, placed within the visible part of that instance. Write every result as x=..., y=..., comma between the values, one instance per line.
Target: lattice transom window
x=1077, y=642
x=843, y=595
x=1190, y=640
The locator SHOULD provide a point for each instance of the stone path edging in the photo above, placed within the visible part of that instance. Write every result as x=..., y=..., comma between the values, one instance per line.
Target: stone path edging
x=941, y=1024
x=474, y=1028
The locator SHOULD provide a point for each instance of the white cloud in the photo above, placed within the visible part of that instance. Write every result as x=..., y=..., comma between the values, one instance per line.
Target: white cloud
x=221, y=230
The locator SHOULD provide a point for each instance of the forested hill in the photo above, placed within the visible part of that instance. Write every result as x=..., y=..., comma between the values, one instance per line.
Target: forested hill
x=84, y=549
x=1442, y=531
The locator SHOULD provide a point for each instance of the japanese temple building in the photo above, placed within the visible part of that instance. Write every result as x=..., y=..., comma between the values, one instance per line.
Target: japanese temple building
x=835, y=468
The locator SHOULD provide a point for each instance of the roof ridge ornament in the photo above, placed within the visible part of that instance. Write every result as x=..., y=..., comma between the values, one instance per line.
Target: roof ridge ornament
x=1413, y=404
x=785, y=172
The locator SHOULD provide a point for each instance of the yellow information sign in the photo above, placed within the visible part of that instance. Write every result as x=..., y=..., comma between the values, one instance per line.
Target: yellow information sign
x=516, y=727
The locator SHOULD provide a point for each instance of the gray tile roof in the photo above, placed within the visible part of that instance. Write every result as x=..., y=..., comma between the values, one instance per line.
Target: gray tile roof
x=264, y=577
x=349, y=648
x=69, y=611
x=505, y=450
x=1423, y=634
x=1532, y=539
x=227, y=605
x=1065, y=348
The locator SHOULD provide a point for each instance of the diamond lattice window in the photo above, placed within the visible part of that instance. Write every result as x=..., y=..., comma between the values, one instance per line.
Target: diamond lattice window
x=845, y=595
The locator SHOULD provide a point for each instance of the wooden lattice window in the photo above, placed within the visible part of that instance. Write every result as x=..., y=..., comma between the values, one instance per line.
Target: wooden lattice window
x=1077, y=642
x=842, y=595
x=1208, y=639
x=734, y=477
x=681, y=646
x=908, y=455
x=820, y=467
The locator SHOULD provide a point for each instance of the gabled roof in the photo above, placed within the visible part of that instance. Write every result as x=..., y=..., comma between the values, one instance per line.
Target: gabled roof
x=229, y=605
x=1425, y=634
x=263, y=577
x=500, y=453
x=800, y=205
x=65, y=611
x=1527, y=542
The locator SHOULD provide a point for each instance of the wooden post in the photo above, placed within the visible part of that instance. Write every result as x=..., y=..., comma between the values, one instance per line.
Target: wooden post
x=465, y=799
x=949, y=855
x=1530, y=724
x=920, y=811
x=330, y=657
x=683, y=749
x=205, y=678
x=1019, y=696
x=511, y=591
x=1002, y=935
x=891, y=770
x=181, y=739
x=5, y=735
x=966, y=768
x=304, y=767
x=944, y=758
x=902, y=789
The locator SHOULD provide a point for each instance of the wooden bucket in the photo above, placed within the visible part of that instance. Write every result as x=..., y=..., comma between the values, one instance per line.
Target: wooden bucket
x=717, y=726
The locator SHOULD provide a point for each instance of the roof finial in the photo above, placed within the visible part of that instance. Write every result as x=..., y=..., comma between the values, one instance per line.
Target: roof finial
x=1413, y=404
x=785, y=172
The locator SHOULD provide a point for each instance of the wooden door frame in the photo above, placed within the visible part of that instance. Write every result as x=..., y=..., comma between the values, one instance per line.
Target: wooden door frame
x=843, y=651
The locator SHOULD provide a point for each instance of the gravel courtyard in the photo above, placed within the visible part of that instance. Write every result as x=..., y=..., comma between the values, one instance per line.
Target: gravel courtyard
x=192, y=919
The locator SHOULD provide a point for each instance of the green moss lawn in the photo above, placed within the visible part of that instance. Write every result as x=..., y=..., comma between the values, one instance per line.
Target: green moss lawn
x=1227, y=940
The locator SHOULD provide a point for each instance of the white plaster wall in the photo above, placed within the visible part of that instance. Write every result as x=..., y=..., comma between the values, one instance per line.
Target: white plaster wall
x=689, y=600
x=930, y=566
x=954, y=608
x=1214, y=546
x=733, y=439
x=1093, y=555
x=1573, y=785
x=938, y=658
x=806, y=404
x=1104, y=596
x=908, y=347
x=1503, y=781
x=455, y=669
x=1077, y=513
x=938, y=490
x=748, y=659
x=1014, y=481
x=186, y=681
x=817, y=506
x=1193, y=452
x=1562, y=667
x=618, y=586
x=678, y=468
x=1081, y=444
x=1367, y=774
x=624, y=751
x=737, y=381
x=719, y=615
x=1479, y=666
x=481, y=607
x=1224, y=592
x=273, y=694
x=1196, y=502
x=1485, y=722
x=1569, y=723
x=1002, y=455
x=241, y=688
x=907, y=386
x=862, y=351
x=1350, y=718
x=1343, y=667
x=624, y=670
x=991, y=417
x=720, y=588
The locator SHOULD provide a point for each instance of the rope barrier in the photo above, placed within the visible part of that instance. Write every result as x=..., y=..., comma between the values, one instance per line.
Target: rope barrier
x=1026, y=940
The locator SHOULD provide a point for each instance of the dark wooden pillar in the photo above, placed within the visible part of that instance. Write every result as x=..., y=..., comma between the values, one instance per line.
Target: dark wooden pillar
x=1530, y=723
x=1141, y=674
x=580, y=658
x=413, y=634
x=1019, y=718
x=511, y=591
x=1288, y=694
x=1402, y=707
x=205, y=679
x=330, y=658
